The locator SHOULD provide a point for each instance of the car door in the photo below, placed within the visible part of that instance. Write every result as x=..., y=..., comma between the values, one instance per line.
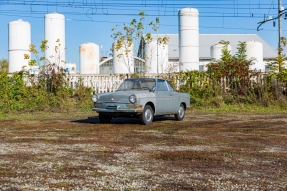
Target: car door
x=163, y=98
x=174, y=98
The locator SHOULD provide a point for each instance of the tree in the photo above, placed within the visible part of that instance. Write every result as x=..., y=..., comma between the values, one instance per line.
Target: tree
x=278, y=71
x=233, y=70
x=278, y=67
x=126, y=37
x=52, y=76
x=4, y=65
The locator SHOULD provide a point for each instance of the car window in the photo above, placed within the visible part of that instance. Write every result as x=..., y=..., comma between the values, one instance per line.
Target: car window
x=126, y=85
x=170, y=87
x=147, y=84
x=137, y=84
x=161, y=85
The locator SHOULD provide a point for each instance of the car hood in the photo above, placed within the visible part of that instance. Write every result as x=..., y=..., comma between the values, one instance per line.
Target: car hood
x=120, y=96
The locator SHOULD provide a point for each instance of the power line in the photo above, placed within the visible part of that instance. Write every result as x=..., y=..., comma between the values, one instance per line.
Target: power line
x=152, y=8
x=99, y=12
x=281, y=11
x=162, y=24
x=80, y=4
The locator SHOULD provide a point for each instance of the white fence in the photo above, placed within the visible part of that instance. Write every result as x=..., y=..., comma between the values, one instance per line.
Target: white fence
x=100, y=82
x=110, y=82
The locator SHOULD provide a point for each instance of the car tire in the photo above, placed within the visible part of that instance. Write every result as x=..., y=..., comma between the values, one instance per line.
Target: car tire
x=105, y=118
x=180, y=113
x=146, y=116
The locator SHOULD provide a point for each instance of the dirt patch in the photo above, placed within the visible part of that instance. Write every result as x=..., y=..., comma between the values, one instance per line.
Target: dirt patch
x=202, y=152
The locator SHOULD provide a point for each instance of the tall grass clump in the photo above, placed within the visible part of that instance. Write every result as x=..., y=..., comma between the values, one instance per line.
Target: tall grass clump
x=229, y=81
x=48, y=90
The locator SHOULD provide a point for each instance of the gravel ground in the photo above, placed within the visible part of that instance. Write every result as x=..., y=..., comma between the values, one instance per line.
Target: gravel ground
x=203, y=152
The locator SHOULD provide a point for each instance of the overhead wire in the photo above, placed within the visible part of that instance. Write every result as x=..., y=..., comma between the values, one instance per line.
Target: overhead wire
x=91, y=12
x=134, y=3
x=91, y=8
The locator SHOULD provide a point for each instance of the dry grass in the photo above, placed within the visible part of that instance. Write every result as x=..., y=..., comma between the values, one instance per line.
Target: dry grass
x=203, y=152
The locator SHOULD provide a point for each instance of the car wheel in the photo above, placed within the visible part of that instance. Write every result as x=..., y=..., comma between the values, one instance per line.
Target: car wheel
x=180, y=113
x=105, y=118
x=146, y=116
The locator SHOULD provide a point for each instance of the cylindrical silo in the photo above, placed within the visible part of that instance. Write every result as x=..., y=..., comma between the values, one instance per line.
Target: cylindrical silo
x=19, y=42
x=156, y=57
x=216, y=50
x=188, y=39
x=254, y=50
x=89, y=58
x=55, y=35
x=123, y=58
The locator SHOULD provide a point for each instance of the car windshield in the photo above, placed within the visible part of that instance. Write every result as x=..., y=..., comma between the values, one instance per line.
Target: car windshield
x=137, y=84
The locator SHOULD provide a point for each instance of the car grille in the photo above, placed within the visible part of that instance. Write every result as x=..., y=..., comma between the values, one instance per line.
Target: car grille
x=98, y=105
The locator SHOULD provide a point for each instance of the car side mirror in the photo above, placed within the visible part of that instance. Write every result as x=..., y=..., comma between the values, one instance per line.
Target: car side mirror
x=153, y=89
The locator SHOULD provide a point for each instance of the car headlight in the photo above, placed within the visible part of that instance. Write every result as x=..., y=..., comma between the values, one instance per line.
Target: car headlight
x=95, y=98
x=132, y=98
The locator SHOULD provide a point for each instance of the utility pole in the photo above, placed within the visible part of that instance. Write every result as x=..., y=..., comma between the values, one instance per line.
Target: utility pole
x=157, y=26
x=280, y=10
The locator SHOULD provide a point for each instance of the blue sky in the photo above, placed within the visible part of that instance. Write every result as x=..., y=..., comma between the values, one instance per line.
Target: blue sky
x=92, y=20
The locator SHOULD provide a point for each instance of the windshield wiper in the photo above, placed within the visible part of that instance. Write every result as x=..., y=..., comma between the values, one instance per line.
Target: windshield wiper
x=145, y=88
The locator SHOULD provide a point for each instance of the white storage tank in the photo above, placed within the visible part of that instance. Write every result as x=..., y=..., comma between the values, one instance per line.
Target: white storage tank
x=156, y=57
x=254, y=50
x=55, y=34
x=19, y=42
x=89, y=58
x=216, y=51
x=123, y=59
x=188, y=39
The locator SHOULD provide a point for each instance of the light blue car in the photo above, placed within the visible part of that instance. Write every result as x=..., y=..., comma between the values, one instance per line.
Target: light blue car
x=143, y=98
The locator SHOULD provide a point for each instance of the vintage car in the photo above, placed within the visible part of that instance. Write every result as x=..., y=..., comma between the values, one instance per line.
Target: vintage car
x=143, y=98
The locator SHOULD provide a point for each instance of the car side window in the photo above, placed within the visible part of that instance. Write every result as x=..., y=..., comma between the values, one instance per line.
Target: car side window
x=161, y=85
x=170, y=87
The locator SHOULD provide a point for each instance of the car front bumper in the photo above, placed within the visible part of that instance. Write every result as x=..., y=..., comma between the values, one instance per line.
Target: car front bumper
x=102, y=110
x=118, y=109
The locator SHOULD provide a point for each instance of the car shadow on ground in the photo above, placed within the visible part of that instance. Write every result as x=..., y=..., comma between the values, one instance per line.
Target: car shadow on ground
x=95, y=120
